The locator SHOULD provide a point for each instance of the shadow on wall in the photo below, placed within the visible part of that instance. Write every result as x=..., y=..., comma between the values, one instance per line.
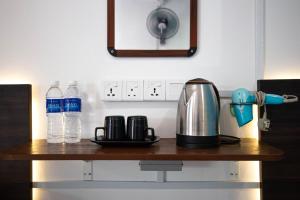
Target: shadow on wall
x=161, y=115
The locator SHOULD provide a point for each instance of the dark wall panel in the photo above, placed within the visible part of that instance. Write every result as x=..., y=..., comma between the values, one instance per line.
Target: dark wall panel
x=281, y=180
x=15, y=129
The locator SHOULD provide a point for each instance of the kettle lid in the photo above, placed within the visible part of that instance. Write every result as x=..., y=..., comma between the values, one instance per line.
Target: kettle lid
x=198, y=81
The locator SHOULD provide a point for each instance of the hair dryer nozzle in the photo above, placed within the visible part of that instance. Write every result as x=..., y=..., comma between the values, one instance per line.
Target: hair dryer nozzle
x=242, y=101
x=243, y=114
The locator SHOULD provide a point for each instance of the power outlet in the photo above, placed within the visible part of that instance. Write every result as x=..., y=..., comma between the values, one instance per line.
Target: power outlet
x=112, y=90
x=154, y=90
x=133, y=90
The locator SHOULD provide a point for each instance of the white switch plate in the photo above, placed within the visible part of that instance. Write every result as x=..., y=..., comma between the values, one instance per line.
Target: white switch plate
x=133, y=90
x=234, y=170
x=112, y=90
x=173, y=89
x=154, y=90
x=87, y=170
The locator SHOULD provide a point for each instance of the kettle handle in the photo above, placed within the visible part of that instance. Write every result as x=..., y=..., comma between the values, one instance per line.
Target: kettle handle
x=184, y=96
x=215, y=89
x=217, y=93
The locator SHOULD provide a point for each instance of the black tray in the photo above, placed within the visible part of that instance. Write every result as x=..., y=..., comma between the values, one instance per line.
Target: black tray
x=117, y=143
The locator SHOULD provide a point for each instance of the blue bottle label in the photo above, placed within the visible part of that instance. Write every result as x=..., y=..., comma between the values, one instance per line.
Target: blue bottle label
x=72, y=105
x=54, y=105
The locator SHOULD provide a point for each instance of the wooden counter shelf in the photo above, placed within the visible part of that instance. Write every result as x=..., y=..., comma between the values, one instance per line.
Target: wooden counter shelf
x=165, y=149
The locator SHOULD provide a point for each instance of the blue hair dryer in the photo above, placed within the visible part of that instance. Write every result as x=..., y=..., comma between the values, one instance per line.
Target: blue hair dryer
x=242, y=101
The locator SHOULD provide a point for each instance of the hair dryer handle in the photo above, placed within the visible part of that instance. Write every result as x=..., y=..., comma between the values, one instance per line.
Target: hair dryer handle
x=273, y=99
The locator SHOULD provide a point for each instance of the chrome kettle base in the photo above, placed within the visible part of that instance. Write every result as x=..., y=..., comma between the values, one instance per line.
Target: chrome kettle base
x=197, y=141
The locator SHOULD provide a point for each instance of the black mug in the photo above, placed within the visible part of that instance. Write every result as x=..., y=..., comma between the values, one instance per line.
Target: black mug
x=114, y=128
x=137, y=128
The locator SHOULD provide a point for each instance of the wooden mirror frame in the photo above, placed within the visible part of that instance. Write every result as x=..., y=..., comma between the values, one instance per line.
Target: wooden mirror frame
x=150, y=53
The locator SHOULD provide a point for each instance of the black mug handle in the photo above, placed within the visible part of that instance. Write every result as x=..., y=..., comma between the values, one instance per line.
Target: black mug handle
x=96, y=131
x=152, y=136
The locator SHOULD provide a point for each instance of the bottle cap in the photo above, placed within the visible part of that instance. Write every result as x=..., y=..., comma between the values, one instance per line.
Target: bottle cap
x=73, y=83
x=55, y=84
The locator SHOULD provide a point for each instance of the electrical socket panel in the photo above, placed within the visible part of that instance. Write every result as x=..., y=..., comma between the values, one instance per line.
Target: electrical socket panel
x=112, y=91
x=173, y=89
x=142, y=90
x=154, y=90
x=133, y=90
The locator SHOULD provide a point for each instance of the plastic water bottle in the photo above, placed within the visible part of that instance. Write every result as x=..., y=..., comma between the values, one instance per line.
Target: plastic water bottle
x=54, y=106
x=72, y=109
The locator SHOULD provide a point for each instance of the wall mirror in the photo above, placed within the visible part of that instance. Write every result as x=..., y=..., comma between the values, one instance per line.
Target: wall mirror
x=152, y=28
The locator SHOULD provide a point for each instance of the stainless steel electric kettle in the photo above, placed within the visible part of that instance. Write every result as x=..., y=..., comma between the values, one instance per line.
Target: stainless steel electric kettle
x=198, y=115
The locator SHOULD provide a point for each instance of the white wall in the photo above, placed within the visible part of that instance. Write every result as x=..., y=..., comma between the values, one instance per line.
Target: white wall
x=46, y=40
x=282, y=39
